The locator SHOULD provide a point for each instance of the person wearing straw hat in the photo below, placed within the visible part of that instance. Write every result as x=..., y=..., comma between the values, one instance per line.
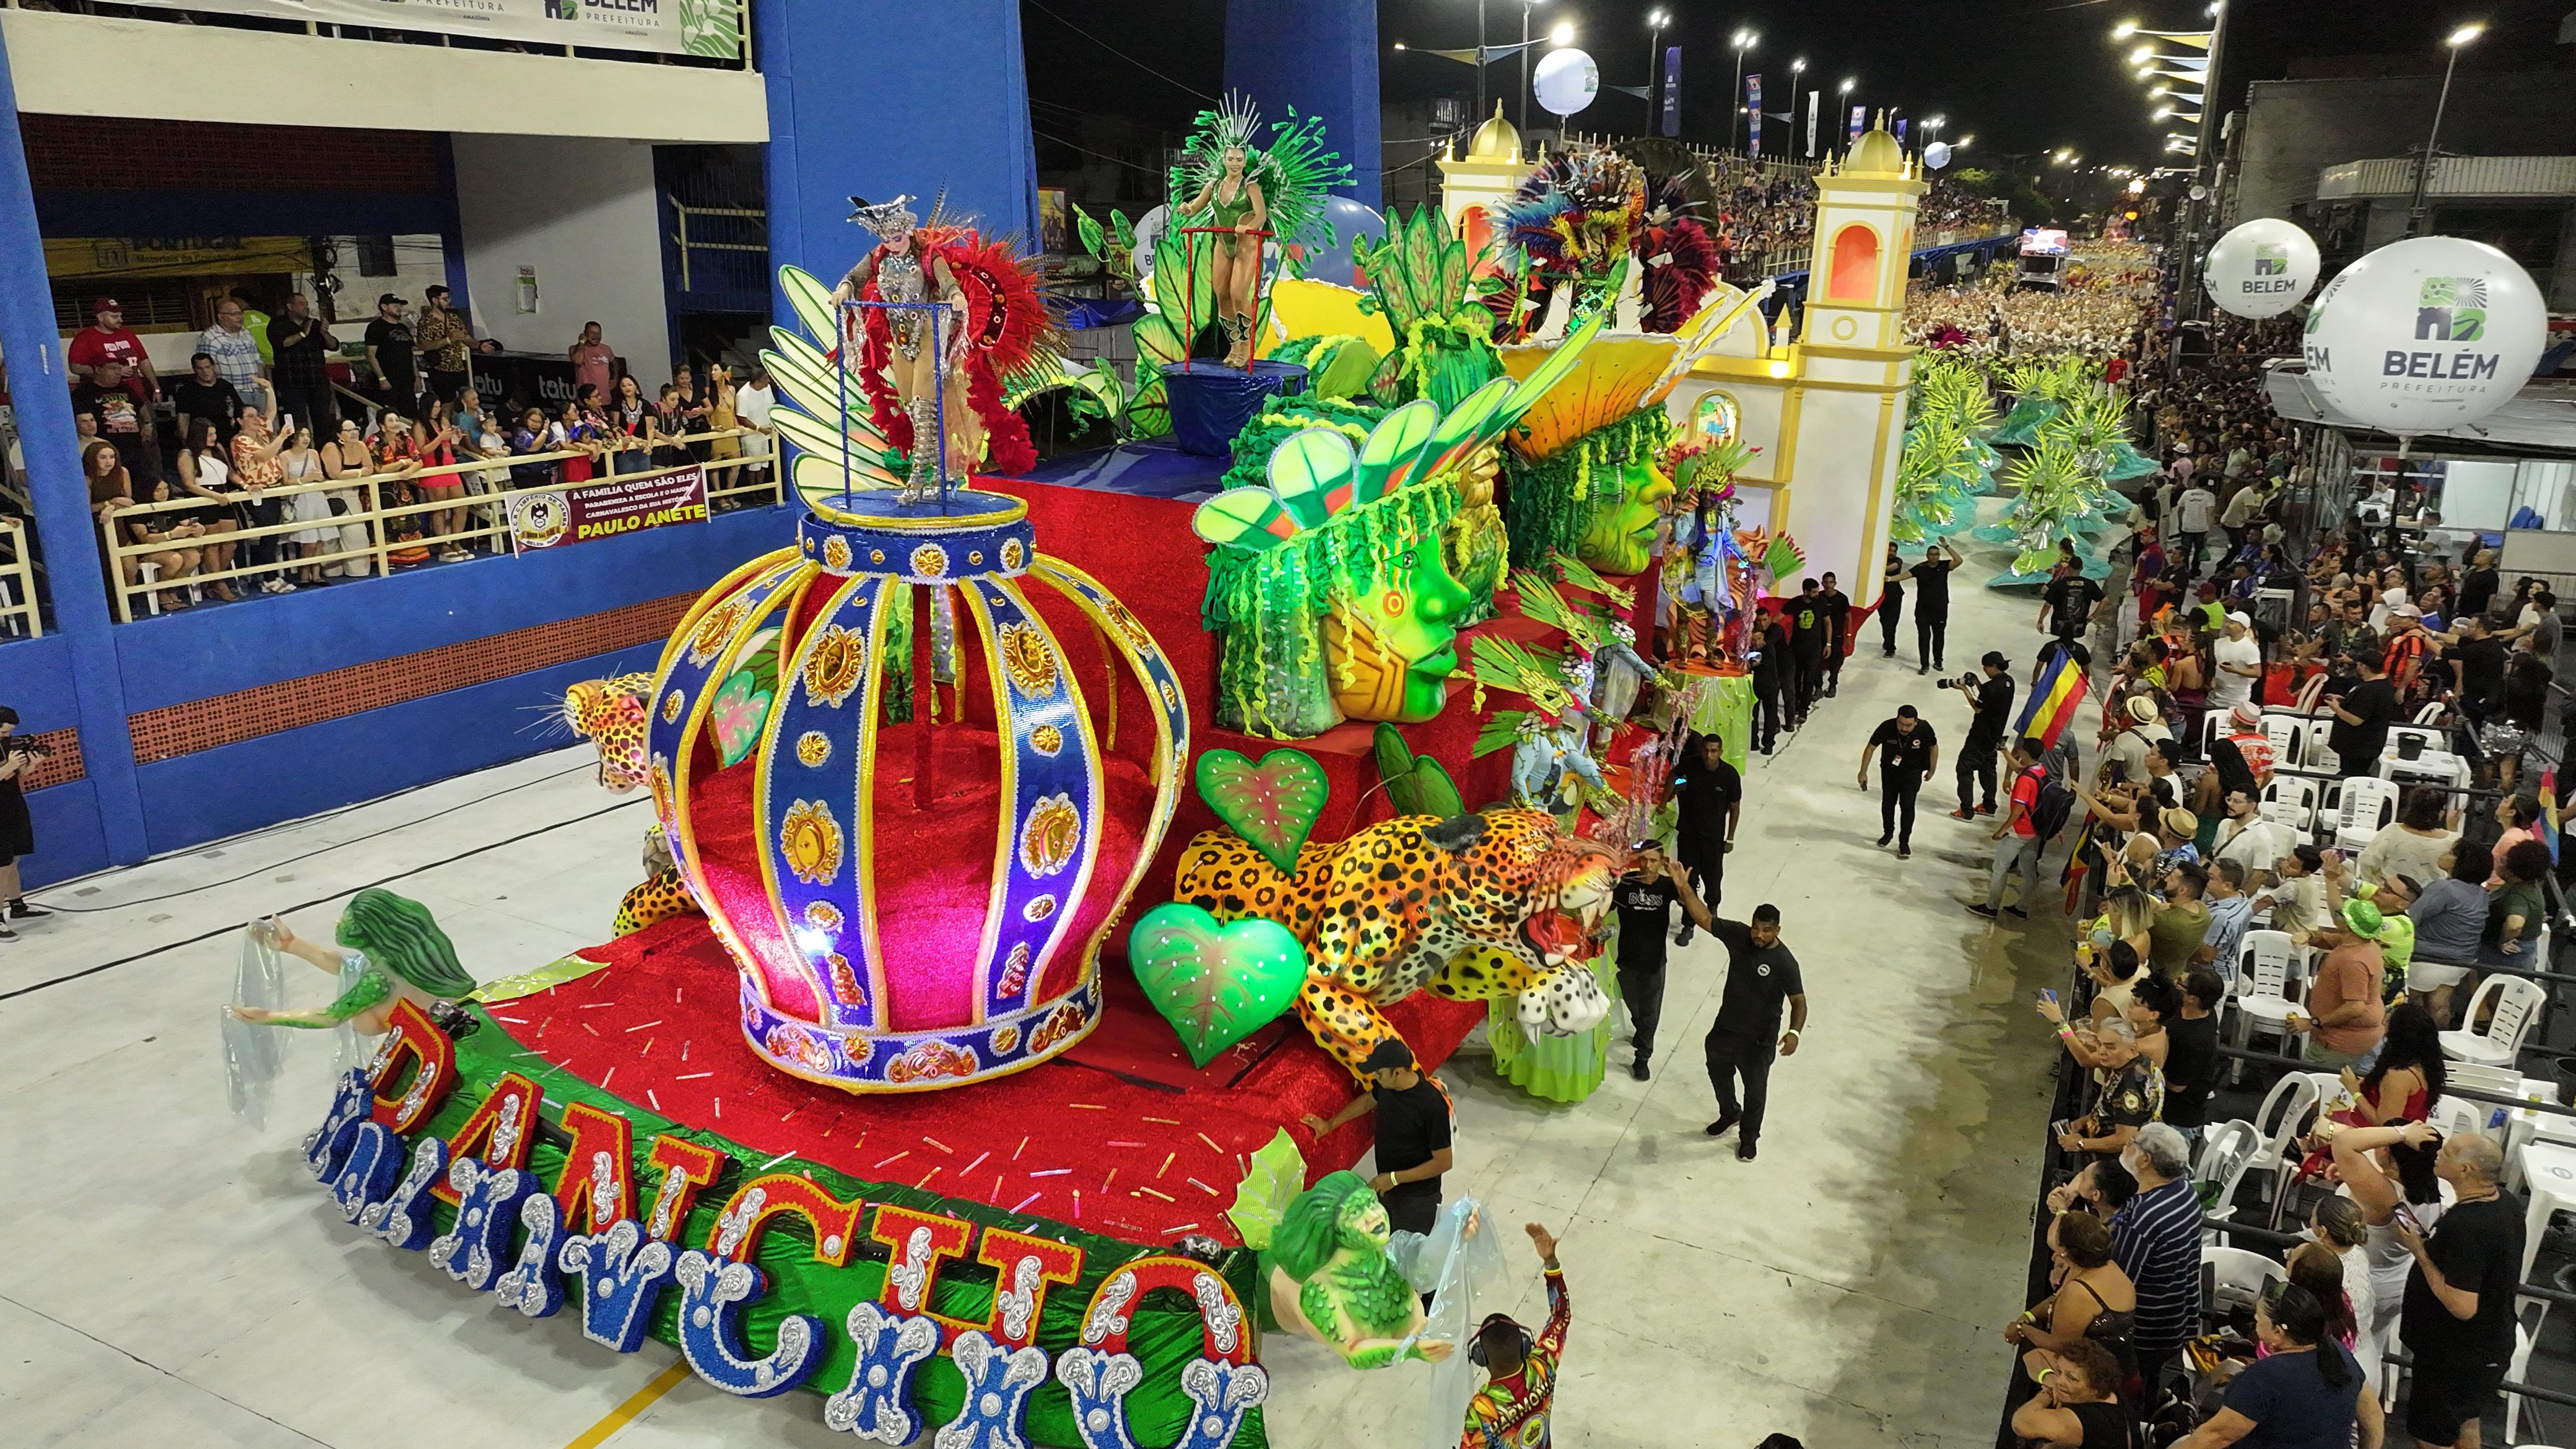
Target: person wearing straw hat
x=2124, y=755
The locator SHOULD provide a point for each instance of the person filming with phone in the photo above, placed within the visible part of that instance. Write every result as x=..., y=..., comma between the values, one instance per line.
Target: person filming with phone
x=19, y=756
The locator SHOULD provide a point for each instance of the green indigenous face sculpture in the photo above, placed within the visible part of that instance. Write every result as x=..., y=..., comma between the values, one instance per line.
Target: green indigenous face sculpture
x=1619, y=538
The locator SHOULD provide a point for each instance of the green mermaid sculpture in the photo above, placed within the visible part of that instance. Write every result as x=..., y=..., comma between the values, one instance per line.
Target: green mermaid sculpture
x=390, y=951
x=1332, y=1278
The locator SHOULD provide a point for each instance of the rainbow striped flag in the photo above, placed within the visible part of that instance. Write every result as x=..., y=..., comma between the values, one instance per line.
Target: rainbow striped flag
x=2060, y=687
x=2549, y=822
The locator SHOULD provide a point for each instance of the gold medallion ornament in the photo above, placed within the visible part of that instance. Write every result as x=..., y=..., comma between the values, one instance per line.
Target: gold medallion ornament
x=1013, y=555
x=671, y=707
x=930, y=561
x=1046, y=739
x=1050, y=835
x=1039, y=909
x=716, y=628
x=1028, y=660
x=836, y=553
x=812, y=748
x=823, y=916
x=834, y=665
x=1125, y=621
x=1005, y=1038
x=810, y=839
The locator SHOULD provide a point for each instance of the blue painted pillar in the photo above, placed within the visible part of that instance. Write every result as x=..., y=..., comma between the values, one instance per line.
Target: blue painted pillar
x=880, y=97
x=1321, y=57
x=40, y=392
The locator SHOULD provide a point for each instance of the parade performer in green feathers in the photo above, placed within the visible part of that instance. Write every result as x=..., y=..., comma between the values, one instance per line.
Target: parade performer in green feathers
x=1230, y=197
x=390, y=951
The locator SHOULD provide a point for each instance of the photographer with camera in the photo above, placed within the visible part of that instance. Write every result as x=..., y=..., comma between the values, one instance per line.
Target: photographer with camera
x=18, y=757
x=1989, y=700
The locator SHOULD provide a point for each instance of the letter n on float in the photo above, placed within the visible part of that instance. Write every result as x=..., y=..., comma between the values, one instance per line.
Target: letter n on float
x=412, y=1039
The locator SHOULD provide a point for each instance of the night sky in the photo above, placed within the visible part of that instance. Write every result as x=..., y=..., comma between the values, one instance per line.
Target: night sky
x=2021, y=76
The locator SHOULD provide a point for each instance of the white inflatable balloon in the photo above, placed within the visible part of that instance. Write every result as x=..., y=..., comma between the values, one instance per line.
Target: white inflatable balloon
x=2425, y=334
x=1565, y=81
x=1937, y=155
x=2261, y=269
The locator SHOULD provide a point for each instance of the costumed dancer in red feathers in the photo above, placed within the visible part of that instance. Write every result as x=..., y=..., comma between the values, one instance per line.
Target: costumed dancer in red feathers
x=997, y=325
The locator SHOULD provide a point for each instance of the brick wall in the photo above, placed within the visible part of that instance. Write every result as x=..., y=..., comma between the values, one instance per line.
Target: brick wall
x=81, y=153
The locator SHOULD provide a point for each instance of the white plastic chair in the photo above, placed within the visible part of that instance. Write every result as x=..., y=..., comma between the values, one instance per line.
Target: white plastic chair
x=2453, y=1116
x=2288, y=733
x=2285, y=1108
x=2238, y=1277
x=2262, y=996
x=2503, y=1081
x=2227, y=1151
x=2365, y=807
x=2517, y=1002
x=2291, y=800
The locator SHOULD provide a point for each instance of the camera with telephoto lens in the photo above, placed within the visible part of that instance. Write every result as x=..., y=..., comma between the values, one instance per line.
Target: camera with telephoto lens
x=24, y=745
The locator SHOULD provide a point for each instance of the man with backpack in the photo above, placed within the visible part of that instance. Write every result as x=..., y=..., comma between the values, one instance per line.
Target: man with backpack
x=2037, y=810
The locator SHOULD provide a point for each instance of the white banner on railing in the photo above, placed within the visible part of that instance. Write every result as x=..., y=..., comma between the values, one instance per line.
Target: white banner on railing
x=675, y=27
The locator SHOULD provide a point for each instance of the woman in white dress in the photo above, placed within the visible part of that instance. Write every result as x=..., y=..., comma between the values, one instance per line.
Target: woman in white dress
x=312, y=507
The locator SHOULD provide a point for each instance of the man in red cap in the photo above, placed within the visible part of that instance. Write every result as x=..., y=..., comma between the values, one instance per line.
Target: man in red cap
x=108, y=339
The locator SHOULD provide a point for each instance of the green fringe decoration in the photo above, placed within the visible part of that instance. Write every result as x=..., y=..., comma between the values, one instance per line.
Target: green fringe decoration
x=1272, y=678
x=1289, y=416
x=1548, y=504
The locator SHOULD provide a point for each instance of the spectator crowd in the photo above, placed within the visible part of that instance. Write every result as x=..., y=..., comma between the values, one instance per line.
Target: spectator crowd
x=271, y=426
x=2251, y=653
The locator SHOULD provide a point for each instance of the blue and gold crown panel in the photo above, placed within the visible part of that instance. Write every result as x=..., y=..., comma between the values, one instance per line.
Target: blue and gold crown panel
x=1050, y=787
x=780, y=672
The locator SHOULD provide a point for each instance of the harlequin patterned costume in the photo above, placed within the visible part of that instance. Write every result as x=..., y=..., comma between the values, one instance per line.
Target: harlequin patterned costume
x=1513, y=1412
x=1473, y=908
x=1006, y=330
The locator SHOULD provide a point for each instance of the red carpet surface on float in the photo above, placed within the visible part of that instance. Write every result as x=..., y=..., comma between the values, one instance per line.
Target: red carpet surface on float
x=1109, y=1150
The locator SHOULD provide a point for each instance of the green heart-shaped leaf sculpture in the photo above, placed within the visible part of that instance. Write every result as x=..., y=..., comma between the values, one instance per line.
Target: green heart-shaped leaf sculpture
x=1215, y=984
x=742, y=708
x=1273, y=805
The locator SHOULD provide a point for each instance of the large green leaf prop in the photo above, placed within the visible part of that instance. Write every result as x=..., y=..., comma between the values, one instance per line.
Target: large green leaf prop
x=1415, y=784
x=1272, y=1179
x=1215, y=984
x=1273, y=805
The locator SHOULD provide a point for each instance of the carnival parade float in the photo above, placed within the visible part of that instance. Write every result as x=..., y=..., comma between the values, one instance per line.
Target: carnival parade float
x=1030, y=863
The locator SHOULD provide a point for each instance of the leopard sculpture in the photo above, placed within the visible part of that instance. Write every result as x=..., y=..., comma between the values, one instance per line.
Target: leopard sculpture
x=611, y=714
x=1472, y=908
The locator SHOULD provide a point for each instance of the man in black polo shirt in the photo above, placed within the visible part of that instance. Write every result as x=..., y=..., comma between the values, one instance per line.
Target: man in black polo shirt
x=1906, y=751
x=1644, y=897
x=1709, y=796
x=1413, y=1131
x=1760, y=975
x=1837, y=607
x=1808, y=627
x=1932, y=602
x=2458, y=1320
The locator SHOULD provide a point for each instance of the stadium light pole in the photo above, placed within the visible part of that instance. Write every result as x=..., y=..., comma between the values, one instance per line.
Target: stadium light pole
x=1656, y=20
x=1797, y=69
x=1743, y=41
x=2457, y=41
x=1842, y=104
x=1526, y=7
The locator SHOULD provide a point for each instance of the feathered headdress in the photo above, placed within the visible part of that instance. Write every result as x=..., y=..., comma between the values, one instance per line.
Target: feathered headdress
x=1295, y=171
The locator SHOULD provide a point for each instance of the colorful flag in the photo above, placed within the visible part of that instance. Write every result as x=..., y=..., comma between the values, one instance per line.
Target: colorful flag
x=1672, y=117
x=2060, y=687
x=2549, y=810
x=1900, y=130
x=1753, y=110
x=1860, y=116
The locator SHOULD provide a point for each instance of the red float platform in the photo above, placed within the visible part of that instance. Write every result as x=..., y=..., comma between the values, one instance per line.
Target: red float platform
x=1122, y=1136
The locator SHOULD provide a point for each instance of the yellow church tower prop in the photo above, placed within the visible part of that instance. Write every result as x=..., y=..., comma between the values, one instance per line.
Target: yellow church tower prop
x=1827, y=410
x=1491, y=171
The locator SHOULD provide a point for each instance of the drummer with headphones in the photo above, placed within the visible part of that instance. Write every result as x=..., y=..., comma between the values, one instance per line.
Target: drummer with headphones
x=1511, y=1410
